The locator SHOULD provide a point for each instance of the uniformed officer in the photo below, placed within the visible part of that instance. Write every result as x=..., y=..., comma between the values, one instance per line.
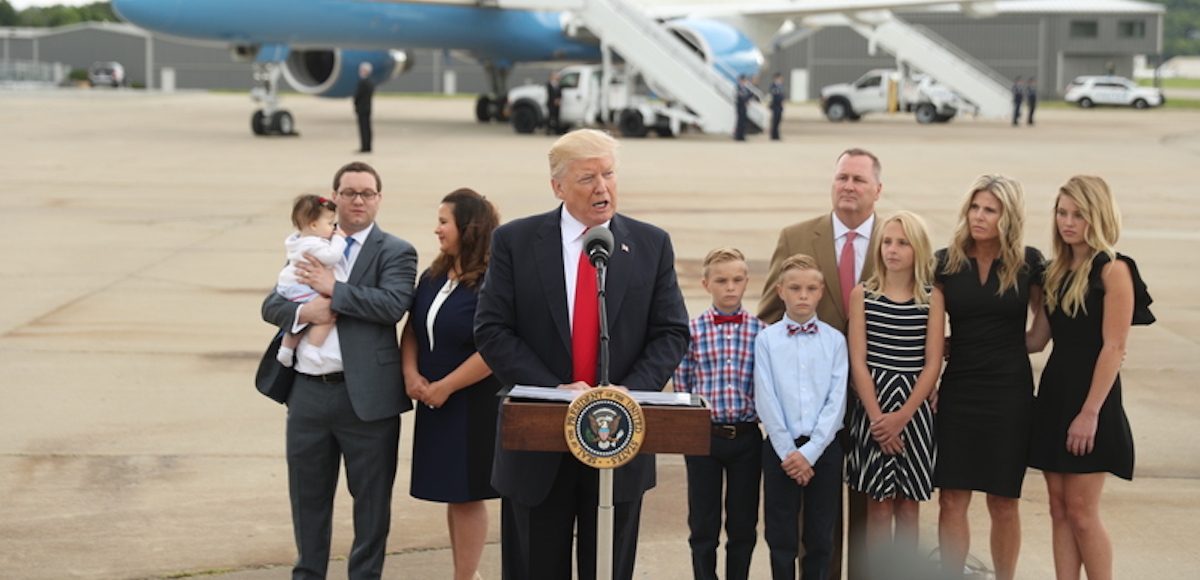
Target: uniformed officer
x=744, y=95
x=776, y=105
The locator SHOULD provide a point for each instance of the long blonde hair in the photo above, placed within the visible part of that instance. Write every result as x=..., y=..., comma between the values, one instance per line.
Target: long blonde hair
x=923, y=262
x=1012, y=230
x=1095, y=201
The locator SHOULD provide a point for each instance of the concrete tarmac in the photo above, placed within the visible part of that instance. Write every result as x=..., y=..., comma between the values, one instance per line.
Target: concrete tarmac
x=147, y=228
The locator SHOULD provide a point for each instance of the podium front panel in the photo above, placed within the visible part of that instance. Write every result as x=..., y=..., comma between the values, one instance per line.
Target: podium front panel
x=536, y=426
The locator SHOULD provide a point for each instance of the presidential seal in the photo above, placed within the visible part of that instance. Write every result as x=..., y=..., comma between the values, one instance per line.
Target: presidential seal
x=604, y=427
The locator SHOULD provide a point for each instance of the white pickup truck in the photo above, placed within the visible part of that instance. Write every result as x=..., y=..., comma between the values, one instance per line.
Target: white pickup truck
x=884, y=90
x=634, y=115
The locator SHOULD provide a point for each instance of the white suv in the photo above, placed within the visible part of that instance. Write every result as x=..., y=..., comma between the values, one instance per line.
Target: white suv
x=1089, y=91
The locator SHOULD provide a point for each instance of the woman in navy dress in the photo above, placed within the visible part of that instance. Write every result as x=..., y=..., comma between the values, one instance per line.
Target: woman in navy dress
x=456, y=415
x=989, y=281
x=1080, y=431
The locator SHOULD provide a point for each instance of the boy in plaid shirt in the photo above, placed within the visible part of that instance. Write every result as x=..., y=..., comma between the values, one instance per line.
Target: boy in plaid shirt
x=719, y=366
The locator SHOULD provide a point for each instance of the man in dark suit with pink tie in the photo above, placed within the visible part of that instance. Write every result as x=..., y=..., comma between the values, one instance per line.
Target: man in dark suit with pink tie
x=537, y=324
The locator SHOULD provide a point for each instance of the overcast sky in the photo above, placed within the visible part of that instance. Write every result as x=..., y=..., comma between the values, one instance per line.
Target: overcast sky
x=19, y=4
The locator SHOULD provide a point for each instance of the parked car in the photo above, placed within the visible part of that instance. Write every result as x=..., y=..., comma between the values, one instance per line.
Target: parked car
x=878, y=90
x=106, y=74
x=1089, y=91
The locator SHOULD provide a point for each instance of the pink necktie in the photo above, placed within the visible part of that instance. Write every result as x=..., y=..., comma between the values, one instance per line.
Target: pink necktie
x=846, y=270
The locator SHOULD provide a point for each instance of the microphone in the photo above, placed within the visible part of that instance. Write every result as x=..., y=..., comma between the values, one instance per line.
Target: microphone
x=598, y=243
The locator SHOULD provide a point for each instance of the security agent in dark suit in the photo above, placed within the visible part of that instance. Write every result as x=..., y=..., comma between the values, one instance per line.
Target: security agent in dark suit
x=346, y=406
x=1031, y=99
x=776, y=105
x=363, y=94
x=553, y=102
x=523, y=326
x=1018, y=94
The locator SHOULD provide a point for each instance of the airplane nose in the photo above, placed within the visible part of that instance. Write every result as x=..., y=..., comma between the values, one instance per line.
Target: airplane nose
x=149, y=14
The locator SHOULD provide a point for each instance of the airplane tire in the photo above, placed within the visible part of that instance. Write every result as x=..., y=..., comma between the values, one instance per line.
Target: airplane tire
x=524, y=119
x=258, y=123
x=283, y=123
x=483, y=109
x=632, y=124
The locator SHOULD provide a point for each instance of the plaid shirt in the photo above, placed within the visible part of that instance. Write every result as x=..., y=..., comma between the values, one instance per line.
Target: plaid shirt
x=719, y=365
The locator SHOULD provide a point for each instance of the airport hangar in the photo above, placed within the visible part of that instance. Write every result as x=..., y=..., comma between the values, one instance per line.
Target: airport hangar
x=1052, y=40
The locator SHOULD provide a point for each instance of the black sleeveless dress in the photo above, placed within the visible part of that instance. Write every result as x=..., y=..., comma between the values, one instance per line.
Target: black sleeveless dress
x=1067, y=379
x=986, y=395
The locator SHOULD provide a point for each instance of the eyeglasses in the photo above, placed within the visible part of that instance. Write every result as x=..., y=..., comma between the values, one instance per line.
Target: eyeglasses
x=365, y=195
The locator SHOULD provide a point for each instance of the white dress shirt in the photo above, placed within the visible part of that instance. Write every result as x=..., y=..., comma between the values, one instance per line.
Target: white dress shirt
x=327, y=358
x=572, y=246
x=862, y=243
x=800, y=387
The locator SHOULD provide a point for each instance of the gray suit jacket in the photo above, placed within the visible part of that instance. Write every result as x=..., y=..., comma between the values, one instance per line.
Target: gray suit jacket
x=814, y=238
x=368, y=305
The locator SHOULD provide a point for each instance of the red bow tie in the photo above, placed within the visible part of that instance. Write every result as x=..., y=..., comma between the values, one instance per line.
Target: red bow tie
x=729, y=318
x=808, y=328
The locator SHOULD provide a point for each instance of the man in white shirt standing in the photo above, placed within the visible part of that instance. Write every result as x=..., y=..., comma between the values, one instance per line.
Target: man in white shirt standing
x=839, y=241
x=347, y=398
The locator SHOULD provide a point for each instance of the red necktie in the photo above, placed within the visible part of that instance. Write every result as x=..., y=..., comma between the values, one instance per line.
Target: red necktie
x=585, y=329
x=846, y=270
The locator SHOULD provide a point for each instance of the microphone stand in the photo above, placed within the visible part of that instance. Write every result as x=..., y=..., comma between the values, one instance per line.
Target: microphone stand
x=604, y=509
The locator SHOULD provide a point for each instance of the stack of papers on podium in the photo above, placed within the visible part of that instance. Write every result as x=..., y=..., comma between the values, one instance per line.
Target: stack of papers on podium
x=642, y=397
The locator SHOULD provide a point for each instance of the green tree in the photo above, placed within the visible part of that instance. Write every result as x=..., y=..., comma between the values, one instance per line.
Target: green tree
x=58, y=15
x=8, y=14
x=1181, y=27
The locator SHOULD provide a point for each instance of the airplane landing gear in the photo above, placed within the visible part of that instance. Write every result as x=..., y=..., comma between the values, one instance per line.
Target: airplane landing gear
x=491, y=106
x=270, y=119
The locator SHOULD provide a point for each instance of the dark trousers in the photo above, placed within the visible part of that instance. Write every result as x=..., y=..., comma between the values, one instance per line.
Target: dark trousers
x=535, y=541
x=736, y=462
x=364, y=132
x=1016, y=113
x=1032, y=108
x=776, y=117
x=739, y=130
x=785, y=502
x=552, y=121
x=323, y=430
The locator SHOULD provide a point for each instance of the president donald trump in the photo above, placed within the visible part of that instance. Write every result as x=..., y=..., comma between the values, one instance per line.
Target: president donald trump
x=537, y=324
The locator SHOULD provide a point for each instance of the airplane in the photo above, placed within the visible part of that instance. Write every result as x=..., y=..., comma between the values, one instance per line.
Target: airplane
x=318, y=45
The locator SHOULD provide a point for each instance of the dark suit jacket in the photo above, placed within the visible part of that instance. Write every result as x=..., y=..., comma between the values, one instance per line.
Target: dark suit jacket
x=522, y=330
x=375, y=297
x=363, y=93
x=814, y=238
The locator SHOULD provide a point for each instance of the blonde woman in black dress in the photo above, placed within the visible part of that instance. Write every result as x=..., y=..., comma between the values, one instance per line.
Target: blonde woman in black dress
x=990, y=282
x=1080, y=431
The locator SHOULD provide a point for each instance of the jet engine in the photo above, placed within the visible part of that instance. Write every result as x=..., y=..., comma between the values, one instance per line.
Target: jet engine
x=722, y=46
x=334, y=72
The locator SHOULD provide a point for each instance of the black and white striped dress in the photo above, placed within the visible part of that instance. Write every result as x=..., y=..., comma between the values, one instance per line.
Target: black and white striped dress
x=895, y=357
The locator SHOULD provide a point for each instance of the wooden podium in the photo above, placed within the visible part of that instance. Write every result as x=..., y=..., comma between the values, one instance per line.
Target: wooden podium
x=540, y=426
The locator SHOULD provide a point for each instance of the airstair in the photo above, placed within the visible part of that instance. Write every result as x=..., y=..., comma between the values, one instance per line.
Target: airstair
x=672, y=70
x=921, y=48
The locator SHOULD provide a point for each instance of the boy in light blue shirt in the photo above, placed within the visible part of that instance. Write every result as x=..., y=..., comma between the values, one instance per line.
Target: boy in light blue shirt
x=800, y=373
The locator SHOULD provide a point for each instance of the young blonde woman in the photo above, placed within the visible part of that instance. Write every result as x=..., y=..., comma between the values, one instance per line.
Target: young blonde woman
x=897, y=335
x=990, y=282
x=1080, y=431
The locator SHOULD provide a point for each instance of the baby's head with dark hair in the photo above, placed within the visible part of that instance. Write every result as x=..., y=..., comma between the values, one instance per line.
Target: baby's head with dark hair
x=308, y=208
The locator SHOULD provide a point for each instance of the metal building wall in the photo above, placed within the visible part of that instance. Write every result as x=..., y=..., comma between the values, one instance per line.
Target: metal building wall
x=79, y=48
x=1011, y=44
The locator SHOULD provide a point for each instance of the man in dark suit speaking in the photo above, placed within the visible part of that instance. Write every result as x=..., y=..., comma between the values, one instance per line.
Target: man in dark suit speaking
x=537, y=325
x=348, y=394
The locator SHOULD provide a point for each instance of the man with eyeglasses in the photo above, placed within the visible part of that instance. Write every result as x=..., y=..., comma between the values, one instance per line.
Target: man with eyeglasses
x=348, y=406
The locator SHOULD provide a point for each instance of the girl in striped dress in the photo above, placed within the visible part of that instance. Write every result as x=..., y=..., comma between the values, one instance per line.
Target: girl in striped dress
x=896, y=339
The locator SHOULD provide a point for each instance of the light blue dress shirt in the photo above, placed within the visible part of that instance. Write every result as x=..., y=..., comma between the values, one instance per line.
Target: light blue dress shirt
x=800, y=386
